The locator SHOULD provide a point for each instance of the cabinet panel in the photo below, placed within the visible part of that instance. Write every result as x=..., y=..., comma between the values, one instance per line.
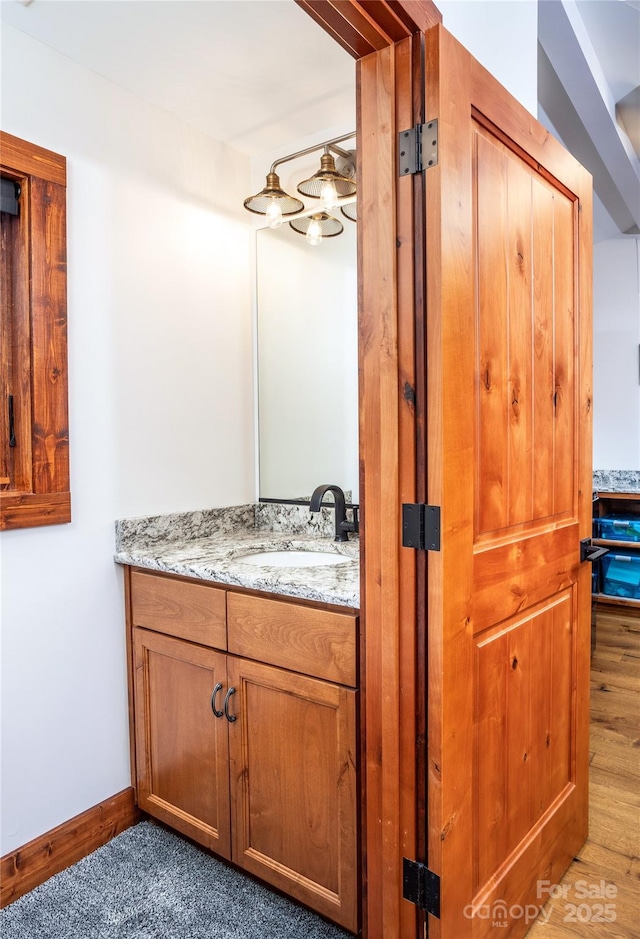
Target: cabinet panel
x=182, y=748
x=316, y=642
x=196, y=612
x=293, y=786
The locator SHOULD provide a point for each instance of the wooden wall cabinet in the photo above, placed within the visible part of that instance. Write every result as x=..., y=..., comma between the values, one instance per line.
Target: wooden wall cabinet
x=253, y=760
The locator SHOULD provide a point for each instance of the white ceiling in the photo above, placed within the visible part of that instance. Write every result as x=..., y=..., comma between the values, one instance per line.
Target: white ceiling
x=255, y=74
x=259, y=74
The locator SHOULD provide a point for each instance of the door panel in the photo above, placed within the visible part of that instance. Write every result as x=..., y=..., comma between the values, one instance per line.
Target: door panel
x=522, y=742
x=525, y=405
x=508, y=390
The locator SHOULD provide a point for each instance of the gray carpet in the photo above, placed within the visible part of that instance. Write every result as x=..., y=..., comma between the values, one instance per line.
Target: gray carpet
x=151, y=884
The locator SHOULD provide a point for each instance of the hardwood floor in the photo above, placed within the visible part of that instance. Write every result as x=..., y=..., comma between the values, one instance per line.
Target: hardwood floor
x=600, y=893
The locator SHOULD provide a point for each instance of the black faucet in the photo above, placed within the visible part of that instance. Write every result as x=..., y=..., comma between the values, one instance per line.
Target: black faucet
x=343, y=526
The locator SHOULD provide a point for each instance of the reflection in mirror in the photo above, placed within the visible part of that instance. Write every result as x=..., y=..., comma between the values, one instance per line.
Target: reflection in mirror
x=307, y=353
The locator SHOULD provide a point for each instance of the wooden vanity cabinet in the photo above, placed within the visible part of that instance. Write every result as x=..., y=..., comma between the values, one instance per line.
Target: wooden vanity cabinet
x=270, y=782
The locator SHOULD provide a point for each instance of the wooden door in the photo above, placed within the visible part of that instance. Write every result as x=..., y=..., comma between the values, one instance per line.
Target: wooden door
x=182, y=747
x=509, y=461
x=293, y=786
x=502, y=418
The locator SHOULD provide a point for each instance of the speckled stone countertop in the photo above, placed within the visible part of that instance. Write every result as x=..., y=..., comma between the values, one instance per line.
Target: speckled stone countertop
x=207, y=545
x=616, y=481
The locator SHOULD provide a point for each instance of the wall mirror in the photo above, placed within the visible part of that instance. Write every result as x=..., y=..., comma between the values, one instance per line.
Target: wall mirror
x=307, y=362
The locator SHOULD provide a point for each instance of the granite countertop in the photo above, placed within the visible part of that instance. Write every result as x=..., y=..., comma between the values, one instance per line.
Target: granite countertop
x=207, y=545
x=616, y=481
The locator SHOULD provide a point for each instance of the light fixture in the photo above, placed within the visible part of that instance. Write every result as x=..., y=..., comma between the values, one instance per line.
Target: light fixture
x=273, y=201
x=317, y=226
x=327, y=184
x=333, y=181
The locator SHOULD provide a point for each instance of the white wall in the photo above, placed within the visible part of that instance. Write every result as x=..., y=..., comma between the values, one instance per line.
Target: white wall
x=503, y=36
x=161, y=412
x=616, y=337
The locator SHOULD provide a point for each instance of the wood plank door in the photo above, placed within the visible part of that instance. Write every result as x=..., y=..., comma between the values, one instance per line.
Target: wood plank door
x=508, y=215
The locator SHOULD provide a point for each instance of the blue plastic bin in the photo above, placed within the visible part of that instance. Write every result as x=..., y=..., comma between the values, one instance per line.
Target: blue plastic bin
x=620, y=527
x=621, y=575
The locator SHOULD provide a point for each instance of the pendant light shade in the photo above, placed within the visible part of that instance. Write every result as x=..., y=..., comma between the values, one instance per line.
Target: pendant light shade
x=327, y=224
x=350, y=211
x=326, y=176
x=273, y=193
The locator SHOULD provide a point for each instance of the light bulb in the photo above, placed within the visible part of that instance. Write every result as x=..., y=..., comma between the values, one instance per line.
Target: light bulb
x=314, y=232
x=328, y=194
x=274, y=214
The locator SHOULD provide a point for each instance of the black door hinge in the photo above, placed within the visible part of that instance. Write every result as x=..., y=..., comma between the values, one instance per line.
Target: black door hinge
x=418, y=148
x=12, y=421
x=421, y=526
x=9, y=195
x=421, y=886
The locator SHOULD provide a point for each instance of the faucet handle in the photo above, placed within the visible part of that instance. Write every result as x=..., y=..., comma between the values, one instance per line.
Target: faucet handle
x=353, y=526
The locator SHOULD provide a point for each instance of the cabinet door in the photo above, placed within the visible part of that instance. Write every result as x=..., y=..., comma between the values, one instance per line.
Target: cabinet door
x=293, y=785
x=182, y=748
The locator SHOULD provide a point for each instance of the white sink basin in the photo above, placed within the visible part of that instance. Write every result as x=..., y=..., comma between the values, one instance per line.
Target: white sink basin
x=293, y=559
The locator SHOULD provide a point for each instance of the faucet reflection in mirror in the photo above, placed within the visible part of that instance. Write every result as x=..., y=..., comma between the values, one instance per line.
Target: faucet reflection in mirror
x=330, y=184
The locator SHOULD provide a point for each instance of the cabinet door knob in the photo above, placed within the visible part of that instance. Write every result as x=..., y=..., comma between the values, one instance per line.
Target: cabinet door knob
x=230, y=717
x=217, y=688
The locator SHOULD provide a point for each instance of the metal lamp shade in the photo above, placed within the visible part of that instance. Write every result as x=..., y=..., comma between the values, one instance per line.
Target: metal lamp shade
x=260, y=203
x=329, y=226
x=350, y=211
x=327, y=173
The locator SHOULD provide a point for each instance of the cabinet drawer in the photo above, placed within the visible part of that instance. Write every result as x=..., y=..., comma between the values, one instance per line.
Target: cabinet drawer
x=316, y=642
x=196, y=612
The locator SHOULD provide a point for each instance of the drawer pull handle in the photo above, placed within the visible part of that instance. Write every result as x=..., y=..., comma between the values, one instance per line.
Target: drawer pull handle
x=217, y=688
x=230, y=717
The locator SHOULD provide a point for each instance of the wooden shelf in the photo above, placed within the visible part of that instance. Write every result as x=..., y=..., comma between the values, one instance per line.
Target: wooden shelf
x=616, y=601
x=619, y=495
x=608, y=543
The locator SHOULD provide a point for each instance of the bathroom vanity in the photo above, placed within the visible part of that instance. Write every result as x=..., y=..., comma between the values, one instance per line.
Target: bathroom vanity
x=244, y=708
